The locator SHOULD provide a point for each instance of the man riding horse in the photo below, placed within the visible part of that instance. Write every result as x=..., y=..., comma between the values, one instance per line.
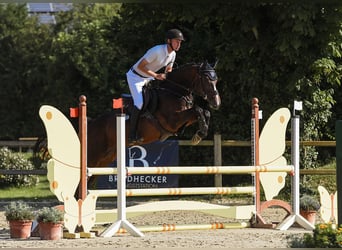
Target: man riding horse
x=169, y=107
x=144, y=70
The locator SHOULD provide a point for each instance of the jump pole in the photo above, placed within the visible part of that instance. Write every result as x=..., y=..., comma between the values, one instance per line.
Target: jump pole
x=193, y=170
x=177, y=227
x=121, y=171
x=122, y=222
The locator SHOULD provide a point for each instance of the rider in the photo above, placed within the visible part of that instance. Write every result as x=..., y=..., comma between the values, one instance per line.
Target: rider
x=145, y=70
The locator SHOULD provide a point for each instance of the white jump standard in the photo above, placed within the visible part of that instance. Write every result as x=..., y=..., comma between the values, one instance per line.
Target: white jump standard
x=122, y=222
x=295, y=216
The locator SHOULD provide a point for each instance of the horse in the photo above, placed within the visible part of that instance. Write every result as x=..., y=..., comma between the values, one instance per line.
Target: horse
x=169, y=107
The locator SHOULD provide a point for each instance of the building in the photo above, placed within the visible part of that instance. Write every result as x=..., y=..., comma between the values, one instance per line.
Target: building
x=46, y=11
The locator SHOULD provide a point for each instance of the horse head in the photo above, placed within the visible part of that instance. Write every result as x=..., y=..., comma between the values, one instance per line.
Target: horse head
x=199, y=79
x=206, y=86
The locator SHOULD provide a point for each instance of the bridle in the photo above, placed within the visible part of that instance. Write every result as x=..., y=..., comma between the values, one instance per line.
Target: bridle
x=210, y=73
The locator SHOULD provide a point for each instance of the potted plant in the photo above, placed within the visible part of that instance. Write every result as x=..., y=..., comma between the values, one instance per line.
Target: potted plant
x=308, y=208
x=20, y=216
x=50, y=222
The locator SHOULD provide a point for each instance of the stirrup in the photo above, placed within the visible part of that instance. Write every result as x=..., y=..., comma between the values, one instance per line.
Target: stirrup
x=135, y=140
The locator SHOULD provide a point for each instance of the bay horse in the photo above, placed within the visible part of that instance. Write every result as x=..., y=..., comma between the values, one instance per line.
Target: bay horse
x=169, y=107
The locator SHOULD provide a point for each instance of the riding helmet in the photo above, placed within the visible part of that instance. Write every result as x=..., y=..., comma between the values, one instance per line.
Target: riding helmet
x=174, y=34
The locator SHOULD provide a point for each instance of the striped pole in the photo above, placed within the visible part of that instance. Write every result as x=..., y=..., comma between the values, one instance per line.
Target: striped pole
x=175, y=227
x=193, y=170
x=174, y=191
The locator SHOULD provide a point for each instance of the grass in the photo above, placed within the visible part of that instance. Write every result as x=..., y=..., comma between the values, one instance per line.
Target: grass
x=328, y=181
x=39, y=192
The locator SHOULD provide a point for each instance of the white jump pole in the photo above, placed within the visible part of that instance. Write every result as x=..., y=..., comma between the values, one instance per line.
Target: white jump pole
x=121, y=222
x=194, y=170
x=295, y=216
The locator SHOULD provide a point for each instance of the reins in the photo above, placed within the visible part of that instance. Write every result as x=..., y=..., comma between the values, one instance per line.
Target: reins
x=179, y=85
x=190, y=90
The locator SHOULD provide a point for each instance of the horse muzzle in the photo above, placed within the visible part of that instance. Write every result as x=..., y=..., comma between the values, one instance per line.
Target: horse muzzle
x=216, y=102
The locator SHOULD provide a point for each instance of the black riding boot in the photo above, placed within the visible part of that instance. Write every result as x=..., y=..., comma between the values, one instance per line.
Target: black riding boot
x=133, y=138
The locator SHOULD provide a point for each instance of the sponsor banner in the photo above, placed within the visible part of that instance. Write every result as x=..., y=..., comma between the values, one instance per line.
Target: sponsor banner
x=149, y=155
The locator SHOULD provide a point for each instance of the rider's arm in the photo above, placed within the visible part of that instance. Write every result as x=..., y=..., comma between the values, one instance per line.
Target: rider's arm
x=142, y=67
x=168, y=68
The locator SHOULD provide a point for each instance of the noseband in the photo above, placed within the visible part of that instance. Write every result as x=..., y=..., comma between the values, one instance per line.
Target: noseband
x=211, y=74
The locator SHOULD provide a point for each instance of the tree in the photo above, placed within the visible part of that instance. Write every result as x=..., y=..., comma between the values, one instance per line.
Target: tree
x=22, y=65
x=278, y=52
x=84, y=56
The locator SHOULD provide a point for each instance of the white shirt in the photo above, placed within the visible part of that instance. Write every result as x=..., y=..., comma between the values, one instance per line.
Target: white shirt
x=157, y=58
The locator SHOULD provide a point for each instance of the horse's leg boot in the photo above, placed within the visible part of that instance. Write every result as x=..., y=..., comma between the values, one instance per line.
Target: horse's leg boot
x=133, y=135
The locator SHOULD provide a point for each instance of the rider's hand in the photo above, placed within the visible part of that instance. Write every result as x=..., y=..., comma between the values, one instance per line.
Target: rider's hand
x=161, y=76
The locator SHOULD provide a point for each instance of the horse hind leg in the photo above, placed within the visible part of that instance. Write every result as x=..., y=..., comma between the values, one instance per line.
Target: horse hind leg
x=203, y=121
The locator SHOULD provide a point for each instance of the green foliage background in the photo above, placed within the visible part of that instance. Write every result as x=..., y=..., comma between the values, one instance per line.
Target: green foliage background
x=279, y=52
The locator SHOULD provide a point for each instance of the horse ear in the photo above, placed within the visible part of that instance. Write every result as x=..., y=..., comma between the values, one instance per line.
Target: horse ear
x=205, y=64
x=215, y=63
x=202, y=65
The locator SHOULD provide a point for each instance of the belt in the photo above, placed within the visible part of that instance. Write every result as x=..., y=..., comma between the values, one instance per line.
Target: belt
x=135, y=72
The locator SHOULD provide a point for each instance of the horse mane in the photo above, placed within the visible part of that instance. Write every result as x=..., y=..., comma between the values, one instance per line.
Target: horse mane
x=186, y=65
x=178, y=69
x=202, y=67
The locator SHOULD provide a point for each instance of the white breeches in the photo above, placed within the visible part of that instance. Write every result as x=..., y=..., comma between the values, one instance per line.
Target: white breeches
x=136, y=84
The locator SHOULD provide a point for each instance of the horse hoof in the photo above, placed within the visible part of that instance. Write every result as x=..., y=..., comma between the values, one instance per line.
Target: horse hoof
x=196, y=139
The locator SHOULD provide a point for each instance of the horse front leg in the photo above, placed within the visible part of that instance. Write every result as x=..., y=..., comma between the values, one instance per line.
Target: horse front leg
x=203, y=117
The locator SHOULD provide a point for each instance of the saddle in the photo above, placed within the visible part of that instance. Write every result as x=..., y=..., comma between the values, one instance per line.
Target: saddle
x=150, y=97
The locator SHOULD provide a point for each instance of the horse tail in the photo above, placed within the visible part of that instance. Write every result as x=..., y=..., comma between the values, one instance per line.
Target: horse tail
x=40, y=150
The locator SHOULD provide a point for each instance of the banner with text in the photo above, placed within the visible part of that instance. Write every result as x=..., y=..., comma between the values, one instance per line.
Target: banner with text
x=149, y=155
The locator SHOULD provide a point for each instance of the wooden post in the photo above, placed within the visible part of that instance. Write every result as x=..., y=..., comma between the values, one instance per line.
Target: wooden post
x=255, y=150
x=338, y=135
x=218, y=158
x=82, y=134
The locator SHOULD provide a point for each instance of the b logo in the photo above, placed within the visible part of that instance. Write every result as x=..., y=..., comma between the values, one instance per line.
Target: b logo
x=137, y=154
